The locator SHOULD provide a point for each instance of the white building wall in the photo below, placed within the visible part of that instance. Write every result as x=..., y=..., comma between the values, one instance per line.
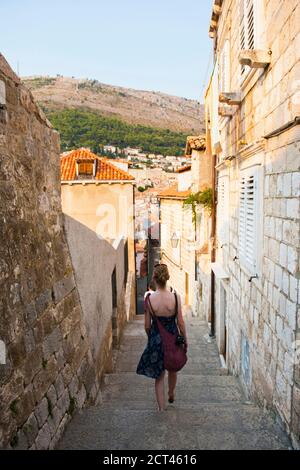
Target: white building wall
x=181, y=260
x=263, y=325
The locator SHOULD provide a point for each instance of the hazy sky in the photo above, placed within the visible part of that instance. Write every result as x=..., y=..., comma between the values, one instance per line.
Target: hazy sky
x=145, y=44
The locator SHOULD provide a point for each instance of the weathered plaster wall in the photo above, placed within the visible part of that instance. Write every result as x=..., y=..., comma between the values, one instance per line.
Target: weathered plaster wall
x=106, y=209
x=94, y=261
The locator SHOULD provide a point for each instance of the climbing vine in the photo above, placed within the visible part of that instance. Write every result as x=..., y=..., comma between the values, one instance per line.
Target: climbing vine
x=204, y=198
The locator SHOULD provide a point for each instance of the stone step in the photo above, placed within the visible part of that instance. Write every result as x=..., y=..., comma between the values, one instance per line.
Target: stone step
x=193, y=390
x=210, y=410
x=125, y=365
x=194, y=356
x=214, y=426
x=133, y=379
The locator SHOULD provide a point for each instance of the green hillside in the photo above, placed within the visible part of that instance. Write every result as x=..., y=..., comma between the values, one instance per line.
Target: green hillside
x=79, y=128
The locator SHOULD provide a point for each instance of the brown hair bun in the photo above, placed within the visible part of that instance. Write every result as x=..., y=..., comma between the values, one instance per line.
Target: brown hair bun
x=161, y=274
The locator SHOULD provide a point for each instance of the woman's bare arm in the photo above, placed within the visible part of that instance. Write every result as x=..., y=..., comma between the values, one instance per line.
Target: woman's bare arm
x=147, y=318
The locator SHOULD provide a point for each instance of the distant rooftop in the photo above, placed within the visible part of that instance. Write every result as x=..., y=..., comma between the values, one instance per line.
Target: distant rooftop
x=103, y=169
x=183, y=169
x=195, y=142
x=173, y=193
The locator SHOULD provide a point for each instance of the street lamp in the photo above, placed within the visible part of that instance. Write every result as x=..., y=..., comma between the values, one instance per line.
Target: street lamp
x=175, y=240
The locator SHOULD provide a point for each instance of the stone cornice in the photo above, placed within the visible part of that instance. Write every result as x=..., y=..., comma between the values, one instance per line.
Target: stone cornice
x=252, y=149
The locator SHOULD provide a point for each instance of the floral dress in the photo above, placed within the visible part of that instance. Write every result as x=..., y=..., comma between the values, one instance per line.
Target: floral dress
x=151, y=363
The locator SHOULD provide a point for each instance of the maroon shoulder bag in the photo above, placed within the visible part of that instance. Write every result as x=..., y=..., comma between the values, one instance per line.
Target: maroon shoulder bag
x=175, y=356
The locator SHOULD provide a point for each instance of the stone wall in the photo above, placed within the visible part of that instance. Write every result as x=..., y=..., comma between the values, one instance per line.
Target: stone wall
x=262, y=314
x=50, y=368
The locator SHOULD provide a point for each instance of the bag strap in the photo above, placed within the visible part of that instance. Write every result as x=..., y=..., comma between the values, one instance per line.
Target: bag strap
x=176, y=305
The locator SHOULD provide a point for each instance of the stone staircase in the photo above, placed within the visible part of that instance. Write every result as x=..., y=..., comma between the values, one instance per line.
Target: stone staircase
x=210, y=410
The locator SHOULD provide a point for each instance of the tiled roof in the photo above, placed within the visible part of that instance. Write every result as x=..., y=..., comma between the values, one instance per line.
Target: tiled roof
x=174, y=193
x=120, y=160
x=106, y=171
x=195, y=142
x=6, y=69
x=183, y=169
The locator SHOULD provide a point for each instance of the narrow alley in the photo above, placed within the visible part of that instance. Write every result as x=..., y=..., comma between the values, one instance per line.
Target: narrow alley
x=210, y=411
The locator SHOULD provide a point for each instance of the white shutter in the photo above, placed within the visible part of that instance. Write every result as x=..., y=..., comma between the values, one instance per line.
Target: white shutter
x=247, y=28
x=242, y=31
x=221, y=72
x=225, y=68
x=248, y=218
x=223, y=210
x=250, y=25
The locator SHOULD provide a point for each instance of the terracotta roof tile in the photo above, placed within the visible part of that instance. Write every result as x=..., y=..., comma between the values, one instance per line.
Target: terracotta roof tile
x=193, y=142
x=106, y=171
x=183, y=169
x=174, y=193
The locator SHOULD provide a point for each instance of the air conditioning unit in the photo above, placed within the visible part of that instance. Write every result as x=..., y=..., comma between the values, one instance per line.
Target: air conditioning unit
x=255, y=59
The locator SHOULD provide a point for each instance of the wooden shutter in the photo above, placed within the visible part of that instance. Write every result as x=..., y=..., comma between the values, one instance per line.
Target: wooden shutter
x=248, y=233
x=85, y=168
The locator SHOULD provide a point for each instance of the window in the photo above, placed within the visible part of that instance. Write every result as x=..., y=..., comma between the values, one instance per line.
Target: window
x=225, y=68
x=85, y=168
x=247, y=29
x=249, y=218
x=223, y=210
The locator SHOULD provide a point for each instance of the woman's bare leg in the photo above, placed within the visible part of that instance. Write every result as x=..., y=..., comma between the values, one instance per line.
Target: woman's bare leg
x=172, y=380
x=160, y=391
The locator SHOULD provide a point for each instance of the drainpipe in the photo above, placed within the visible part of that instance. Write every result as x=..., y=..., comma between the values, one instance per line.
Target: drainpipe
x=213, y=249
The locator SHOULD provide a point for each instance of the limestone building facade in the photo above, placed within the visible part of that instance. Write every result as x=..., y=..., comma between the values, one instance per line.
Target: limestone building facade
x=252, y=119
x=185, y=231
